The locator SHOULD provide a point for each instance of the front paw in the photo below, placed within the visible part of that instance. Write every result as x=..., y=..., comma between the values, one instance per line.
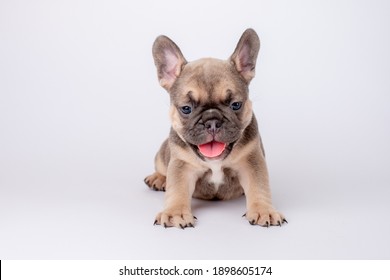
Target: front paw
x=265, y=216
x=175, y=217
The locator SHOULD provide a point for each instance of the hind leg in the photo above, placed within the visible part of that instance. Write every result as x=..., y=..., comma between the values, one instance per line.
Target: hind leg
x=156, y=181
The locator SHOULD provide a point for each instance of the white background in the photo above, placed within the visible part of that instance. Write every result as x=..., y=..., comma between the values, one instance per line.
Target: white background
x=82, y=115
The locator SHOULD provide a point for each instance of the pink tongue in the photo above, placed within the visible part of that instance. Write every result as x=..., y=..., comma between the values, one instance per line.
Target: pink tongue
x=212, y=149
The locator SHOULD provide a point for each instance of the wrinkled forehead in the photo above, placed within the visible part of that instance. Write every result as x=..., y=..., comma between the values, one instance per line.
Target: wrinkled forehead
x=208, y=80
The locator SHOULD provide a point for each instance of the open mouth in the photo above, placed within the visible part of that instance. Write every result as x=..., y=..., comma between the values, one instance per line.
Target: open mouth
x=212, y=149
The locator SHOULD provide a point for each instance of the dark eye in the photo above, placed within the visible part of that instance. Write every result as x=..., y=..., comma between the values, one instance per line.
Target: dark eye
x=236, y=106
x=186, y=110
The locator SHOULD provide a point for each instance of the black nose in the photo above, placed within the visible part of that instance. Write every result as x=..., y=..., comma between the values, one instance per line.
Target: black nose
x=212, y=121
x=213, y=126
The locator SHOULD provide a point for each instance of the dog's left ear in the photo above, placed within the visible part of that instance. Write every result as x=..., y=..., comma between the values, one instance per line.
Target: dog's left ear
x=245, y=54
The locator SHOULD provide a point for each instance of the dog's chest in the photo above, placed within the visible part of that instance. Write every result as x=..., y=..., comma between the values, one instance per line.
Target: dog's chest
x=217, y=175
x=218, y=183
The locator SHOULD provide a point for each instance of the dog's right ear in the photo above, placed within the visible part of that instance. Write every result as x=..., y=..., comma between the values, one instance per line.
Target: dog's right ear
x=169, y=61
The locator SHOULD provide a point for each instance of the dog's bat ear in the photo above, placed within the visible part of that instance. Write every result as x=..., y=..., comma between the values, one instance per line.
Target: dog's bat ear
x=169, y=61
x=245, y=55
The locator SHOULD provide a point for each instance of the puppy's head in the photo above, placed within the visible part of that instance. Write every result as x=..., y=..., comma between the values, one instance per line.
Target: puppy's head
x=210, y=107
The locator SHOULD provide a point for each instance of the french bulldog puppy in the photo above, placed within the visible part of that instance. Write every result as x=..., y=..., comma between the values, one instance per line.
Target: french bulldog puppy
x=214, y=150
